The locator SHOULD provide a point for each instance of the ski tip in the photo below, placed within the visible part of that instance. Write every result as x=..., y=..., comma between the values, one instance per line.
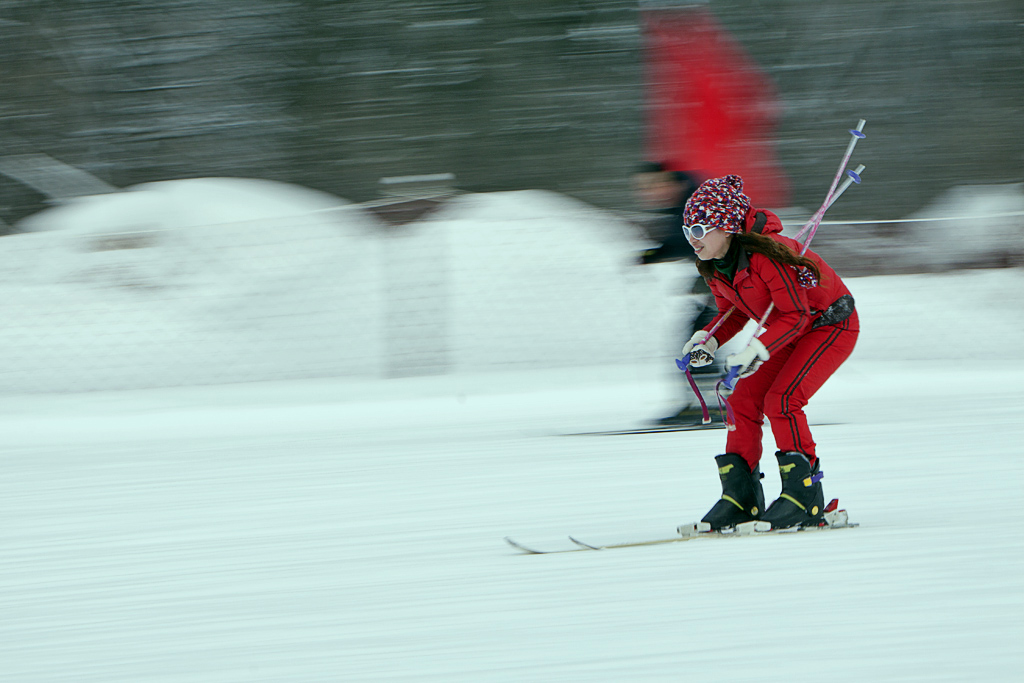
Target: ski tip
x=584, y=545
x=521, y=547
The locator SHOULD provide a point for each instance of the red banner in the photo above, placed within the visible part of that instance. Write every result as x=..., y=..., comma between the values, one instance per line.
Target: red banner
x=710, y=109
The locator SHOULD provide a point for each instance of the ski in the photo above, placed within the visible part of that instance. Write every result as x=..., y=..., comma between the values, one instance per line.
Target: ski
x=653, y=429
x=580, y=546
x=659, y=429
x=834, y=518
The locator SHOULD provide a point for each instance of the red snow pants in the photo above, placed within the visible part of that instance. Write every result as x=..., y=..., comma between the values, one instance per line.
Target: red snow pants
x=783, y=385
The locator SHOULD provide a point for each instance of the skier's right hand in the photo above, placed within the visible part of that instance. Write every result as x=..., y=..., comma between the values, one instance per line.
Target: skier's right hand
x=701, y=352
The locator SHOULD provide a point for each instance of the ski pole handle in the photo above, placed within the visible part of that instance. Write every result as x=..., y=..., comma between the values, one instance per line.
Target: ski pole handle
x=684, y=362
x=734, y=371
x=684, y=365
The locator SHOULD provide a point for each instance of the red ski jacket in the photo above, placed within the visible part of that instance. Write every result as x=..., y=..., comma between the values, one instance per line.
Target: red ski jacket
x=760, y=281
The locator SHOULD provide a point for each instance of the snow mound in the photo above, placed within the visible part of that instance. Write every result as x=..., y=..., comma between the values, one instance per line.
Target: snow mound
x=190, y=202
x=994, y=235
x=191, y=281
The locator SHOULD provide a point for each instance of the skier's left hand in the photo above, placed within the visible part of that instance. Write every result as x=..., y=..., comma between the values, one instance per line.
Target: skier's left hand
x=749, y=359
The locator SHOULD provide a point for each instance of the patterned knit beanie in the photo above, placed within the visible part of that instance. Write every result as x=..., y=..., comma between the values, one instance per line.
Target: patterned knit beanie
x=719, y=203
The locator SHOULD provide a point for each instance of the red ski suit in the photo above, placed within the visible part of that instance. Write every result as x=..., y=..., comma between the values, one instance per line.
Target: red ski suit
x=802, y=354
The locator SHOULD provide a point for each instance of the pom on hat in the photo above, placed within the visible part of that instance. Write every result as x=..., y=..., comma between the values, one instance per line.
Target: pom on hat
x=806, y=278
x=719, y=203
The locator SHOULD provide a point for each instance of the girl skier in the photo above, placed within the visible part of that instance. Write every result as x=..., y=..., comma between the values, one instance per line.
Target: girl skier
x=811, y=329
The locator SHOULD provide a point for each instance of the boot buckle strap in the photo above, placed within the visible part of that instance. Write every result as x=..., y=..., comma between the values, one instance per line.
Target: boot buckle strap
x=732, y=500
x=794, y=501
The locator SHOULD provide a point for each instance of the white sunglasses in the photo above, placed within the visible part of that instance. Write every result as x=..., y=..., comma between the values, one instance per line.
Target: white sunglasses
x=698, y=230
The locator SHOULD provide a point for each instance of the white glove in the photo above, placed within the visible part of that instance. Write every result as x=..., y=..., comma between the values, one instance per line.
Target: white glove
x=749, y=359
x=700, y=354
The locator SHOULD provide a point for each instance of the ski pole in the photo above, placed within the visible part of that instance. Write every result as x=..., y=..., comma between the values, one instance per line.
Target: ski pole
x=833, y=194
x=855, y=135
x=734, y=371
x=852, y=177
x=730, y=379
x=830, y=198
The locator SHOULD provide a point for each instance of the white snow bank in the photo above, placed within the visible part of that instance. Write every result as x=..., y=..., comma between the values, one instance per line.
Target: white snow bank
x=995, y=226
x=191, y=281
x=965, y=317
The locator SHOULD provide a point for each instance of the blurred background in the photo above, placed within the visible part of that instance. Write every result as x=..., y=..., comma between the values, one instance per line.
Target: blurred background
x=505, y=95
x=415, y=163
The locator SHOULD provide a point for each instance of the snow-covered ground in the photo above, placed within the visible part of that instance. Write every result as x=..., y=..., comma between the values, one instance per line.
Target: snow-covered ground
x=344, y=531
x=351, y=529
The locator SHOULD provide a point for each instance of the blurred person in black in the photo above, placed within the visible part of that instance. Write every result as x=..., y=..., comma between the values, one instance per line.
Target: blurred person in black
x=663, y=192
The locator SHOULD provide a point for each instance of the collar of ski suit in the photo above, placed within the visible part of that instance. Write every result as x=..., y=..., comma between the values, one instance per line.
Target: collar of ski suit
x=726, y=266
x=736, y=261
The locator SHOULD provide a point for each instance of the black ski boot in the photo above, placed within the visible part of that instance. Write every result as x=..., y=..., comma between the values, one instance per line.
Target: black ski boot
x=802, y=502
x=742, y=498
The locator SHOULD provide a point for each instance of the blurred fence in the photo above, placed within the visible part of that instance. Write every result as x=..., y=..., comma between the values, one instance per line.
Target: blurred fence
x=505, y=281
x=223, y=303
x=484, y=283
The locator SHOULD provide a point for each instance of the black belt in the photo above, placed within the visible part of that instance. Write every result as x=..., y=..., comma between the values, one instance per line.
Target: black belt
x=837, y=312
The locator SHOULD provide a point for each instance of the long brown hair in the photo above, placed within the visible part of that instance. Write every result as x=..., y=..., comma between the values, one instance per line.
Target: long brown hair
x=753, y=243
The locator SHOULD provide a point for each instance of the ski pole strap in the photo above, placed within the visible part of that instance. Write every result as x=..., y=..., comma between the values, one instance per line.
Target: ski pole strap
x=705, y=416
x=729, y=383
x=684, y=365
x=724, y=407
